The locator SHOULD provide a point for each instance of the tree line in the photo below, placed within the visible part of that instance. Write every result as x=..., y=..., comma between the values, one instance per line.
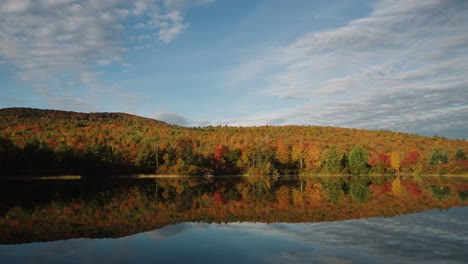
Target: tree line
x=36, y=141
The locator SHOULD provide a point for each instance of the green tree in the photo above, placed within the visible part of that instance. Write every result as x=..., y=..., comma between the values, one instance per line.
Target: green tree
x=146, y=160
x=460, y=155
x=438, y=156
x=358, y=160
x=333, y=161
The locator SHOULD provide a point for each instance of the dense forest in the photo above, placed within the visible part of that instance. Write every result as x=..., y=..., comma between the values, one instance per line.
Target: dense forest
x=40, y=142
x=71, y=209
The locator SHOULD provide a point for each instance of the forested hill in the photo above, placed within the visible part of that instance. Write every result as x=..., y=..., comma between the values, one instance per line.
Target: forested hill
x=34, y=141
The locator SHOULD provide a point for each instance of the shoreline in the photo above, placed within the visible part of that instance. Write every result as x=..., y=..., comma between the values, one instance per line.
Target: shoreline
x=158, y=176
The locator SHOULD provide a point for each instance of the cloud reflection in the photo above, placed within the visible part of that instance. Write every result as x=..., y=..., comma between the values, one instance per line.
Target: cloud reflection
x=429, y=237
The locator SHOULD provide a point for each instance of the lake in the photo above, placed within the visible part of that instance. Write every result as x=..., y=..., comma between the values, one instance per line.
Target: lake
x=236, y=220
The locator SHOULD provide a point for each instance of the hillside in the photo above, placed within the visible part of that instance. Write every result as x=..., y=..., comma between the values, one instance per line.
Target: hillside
x=34, y=141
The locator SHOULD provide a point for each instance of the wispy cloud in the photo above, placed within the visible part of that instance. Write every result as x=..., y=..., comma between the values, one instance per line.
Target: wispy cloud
x=403, y=67
x=51, y=36
x=11, y=100
x=42, y=38
x=170, y=25
x=47, y=41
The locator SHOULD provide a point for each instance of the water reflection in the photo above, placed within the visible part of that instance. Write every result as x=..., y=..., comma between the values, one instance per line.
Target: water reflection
x=430, y=237
x=63, y=210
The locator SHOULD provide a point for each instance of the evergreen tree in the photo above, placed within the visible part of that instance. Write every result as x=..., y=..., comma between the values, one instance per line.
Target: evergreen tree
x=332, y=160
x=358, y=160
x=438, y=156
x=460, y=155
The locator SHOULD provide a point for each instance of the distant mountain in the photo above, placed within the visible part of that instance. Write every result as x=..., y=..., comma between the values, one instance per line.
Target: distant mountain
x=34, y=141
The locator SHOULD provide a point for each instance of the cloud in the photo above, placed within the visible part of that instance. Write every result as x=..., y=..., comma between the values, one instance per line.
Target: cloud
x=404, y=238
x=11, y=100
x=172, y=118
x=169, y=231
x=51, y=36
x=403, y=67
x=170, y=26
x=43, y=38
x=52, y=42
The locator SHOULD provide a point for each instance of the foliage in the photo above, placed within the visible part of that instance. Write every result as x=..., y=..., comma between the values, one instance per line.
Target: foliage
x=45, y=142
x=438, y=157
x=395, y=161
x=410, y=160
x=460, y=154
x=332, y=161
x=358, y=160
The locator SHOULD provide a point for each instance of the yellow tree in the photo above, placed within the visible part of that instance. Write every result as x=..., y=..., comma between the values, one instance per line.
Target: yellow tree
x=313, y=156
x=395, y=160
x=298, y=153
x=283, y=153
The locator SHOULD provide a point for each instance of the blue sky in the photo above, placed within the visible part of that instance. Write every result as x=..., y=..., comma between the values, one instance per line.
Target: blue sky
x=396, y=65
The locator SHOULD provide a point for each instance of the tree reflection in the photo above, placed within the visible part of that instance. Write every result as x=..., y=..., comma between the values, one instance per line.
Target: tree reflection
x=123, y=208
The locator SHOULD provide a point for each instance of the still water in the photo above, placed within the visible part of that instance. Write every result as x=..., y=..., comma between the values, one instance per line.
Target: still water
x=294, y=220
x=430, y=237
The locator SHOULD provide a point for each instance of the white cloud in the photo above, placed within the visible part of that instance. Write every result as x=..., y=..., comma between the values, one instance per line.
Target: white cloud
x=48, y=36
x=171, y=25
x=172, y=118
x=51, y=37
x=375, y=72
x=55, y=42
x=15, y=6
x=141, y=7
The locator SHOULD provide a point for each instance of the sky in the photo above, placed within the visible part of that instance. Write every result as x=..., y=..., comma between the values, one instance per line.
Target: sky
x=399, y=65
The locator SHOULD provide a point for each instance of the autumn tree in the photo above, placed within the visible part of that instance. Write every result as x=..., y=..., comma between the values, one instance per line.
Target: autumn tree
x=410, y=160
x=313, y=157
x=225, y=160
x=283, y=153
x=220, y=157
x=298, y=154
x=395, y=160
x=379, y=163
